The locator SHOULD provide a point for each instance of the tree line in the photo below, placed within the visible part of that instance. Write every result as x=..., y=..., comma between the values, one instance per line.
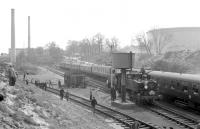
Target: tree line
x=47, y=55
x=86, y=48
x=93, y=46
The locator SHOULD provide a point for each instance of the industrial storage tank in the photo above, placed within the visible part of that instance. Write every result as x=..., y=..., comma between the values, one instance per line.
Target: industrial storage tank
x=179, y=38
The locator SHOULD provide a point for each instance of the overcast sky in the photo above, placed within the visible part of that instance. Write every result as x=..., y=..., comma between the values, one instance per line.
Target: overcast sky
x=63, y=20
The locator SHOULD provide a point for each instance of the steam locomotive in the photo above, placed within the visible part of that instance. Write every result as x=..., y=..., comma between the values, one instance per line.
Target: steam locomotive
x=141, y=88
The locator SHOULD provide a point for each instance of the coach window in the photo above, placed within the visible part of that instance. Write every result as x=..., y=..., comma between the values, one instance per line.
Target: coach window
x=178, y=85
x=185, y=89
x=195, y=89
x=163, y=82
x=172, y=85
x=129, y=76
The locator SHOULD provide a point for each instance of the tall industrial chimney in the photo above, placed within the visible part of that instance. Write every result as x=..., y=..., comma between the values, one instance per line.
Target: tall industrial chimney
x=29, y=38
x=13, y=56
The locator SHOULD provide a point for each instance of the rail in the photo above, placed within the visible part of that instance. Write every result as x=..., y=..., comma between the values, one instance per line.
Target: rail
x=171, y=114
x=125, y=120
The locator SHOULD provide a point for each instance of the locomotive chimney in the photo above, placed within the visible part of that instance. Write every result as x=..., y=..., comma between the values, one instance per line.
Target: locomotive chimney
x=13, y=56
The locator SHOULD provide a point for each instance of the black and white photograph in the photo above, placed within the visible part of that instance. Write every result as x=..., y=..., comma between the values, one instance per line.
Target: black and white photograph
x=99, y=64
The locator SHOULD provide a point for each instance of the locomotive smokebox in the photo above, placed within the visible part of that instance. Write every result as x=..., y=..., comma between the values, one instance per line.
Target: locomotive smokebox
x=123, y=60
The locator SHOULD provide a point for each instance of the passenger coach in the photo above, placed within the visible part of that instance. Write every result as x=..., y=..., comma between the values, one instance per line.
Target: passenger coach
x=177, y=86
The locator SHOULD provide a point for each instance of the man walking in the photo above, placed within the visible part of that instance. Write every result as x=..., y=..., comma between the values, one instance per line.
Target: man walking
x=93, y=103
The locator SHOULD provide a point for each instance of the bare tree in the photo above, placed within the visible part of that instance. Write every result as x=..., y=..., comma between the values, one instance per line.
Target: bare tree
x=112, y=44
x=72, y=47
x=144, y=43
x=84, y=46
x=160, y=39
x=98, y=39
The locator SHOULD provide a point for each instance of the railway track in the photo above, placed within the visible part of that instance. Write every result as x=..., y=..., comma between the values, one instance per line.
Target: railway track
x=91, y=82
x=179, y=118
x=121, y=119
x=96, y=84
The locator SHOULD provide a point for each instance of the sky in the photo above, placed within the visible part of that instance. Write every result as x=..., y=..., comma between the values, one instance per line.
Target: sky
x=63, y=20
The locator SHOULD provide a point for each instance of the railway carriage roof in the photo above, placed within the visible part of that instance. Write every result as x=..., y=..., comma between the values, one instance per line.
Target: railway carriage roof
x=176, y=76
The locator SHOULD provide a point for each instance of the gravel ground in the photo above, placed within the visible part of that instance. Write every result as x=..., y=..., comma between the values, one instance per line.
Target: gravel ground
x=32, y=108
x=104, y=98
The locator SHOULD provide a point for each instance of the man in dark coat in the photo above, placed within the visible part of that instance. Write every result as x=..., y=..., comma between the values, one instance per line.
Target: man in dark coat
x=45, y=85
x=62, y=93
x=59, y=83
x=90, y=95
x=93, y=103
x=11, y=76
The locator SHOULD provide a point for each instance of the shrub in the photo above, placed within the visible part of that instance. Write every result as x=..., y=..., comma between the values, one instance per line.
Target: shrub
x=179, y=67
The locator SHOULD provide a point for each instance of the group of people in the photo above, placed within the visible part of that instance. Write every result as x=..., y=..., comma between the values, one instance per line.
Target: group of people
x=62, y=92
x=42, y=85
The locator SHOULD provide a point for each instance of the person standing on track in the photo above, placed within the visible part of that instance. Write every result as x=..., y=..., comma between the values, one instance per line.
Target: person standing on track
x=59, y=83
x=90, y=95
x=62, y=93
x=45, y=85
x=93, y=103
